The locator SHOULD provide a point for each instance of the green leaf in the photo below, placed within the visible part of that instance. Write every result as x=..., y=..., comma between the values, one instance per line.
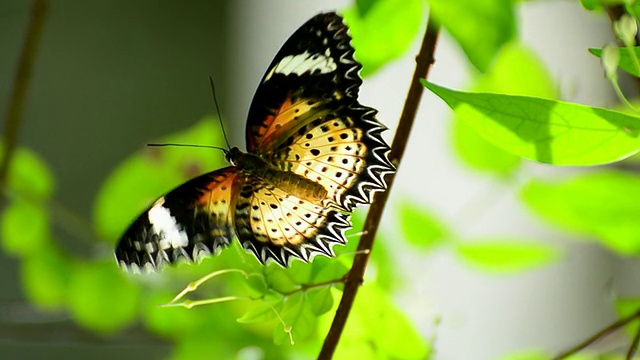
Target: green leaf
x=601, y=204
x=146, y=176
x=260, y=313
x=364, y=6
x=298, y=316
x=24, y=227
x=626, y=62
x=45, y=277
x=320, y=299
x=377, y=326
x=518, y=71
x=481, y=27
x=384, y=32
x=420, y=227
x=102, y=298
x=505, y=255
x=526, y=355
x=29, y=175
x=547, y=131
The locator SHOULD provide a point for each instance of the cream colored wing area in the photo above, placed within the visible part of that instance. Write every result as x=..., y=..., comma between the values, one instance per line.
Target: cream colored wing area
x=277, y=225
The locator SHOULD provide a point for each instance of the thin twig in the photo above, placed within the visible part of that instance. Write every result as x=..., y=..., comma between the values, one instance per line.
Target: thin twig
x=599, y=335
x=354, y=278
x=20, y=83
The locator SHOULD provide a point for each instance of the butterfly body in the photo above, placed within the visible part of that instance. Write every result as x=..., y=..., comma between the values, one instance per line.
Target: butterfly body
x=314, y=153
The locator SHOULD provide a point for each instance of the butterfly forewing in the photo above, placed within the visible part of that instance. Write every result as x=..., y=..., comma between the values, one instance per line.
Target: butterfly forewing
x=314, y=71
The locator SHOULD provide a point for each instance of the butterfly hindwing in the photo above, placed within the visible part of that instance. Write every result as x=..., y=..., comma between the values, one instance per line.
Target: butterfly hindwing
x=190, y=222
x=274, y=224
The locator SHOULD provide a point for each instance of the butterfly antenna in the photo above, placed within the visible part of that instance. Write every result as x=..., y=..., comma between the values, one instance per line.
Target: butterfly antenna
x=189, y=145
x=215, y=101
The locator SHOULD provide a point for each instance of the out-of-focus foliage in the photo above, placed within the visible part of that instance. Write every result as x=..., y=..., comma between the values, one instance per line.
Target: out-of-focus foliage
x=383, y=30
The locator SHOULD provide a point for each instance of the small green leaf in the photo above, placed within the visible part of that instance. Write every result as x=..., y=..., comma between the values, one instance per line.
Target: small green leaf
x=481, y=27
x=29, y=175
x=502, y=255
x=298, y=318
x=625, y=307
x=24, y=227
x=384, y=32
x=420, y=227
x=260, y=313
x=601, y=204
x=626, y=61
x=257, y=285
x=320, y=299
x=547, y=131
x=102, y=298
x=45, y=277
x=146, y=176
x=527, y=355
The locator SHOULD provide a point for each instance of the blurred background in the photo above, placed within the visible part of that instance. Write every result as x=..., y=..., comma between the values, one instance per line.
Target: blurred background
x=111, y=76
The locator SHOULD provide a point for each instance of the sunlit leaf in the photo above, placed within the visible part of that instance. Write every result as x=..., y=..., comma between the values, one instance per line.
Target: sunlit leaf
x=602, y=204
x=28, y=176
x=516, y=71
x=481, y=27
x=45, y=277
x=145, y=176
x=24, y=227
x=364, y=6
x=626, y=60
x=547, y=131
x=420, y=227
x=102, y=298
x=505, y=255
x=385, y=31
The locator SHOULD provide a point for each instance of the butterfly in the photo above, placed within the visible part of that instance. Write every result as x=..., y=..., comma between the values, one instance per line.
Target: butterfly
x=314, y=153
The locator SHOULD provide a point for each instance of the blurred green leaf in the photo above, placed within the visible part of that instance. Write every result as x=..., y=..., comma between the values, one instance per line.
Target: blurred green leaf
x=260, y=312
x=376, y=326
x=24, y=227
x=601, y=204
x=101, y=298
x=481, y=27
x=505, y=255
x=626, y=60
x=29, y=175
x=385, y=31
x=298, y=316
x=526, y=355
x=144, y=177
x=547, y=131
x=626, y=307
x=320, y=299
x=45, y=277
x=326, y=269
x=420, y=227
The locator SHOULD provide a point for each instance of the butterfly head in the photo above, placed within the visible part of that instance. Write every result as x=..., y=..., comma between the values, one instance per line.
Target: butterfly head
x=232, y=155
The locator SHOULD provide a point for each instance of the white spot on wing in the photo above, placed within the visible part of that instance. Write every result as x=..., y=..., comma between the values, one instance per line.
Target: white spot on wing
x=165, y=225
x=303, y=63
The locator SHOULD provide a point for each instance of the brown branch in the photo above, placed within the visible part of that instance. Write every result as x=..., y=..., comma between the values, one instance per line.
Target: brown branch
x=20, y=82
x=599, y=335
x=634, y=345
x=354, y=278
